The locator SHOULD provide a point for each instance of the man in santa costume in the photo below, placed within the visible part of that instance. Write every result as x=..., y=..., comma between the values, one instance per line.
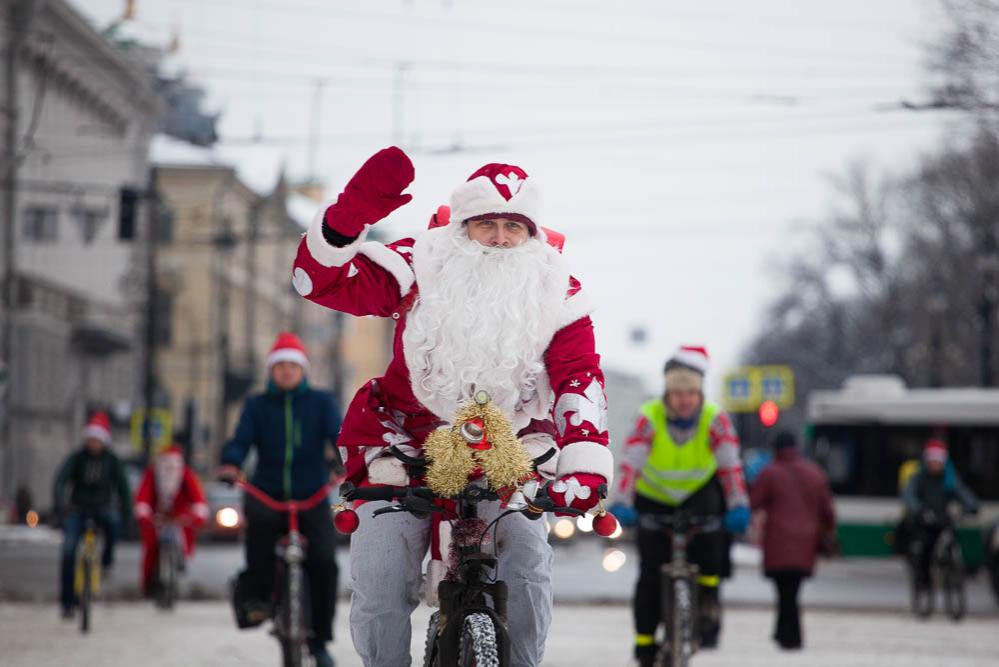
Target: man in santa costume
x=683, y=455
x=483, y=302
x=169, y=490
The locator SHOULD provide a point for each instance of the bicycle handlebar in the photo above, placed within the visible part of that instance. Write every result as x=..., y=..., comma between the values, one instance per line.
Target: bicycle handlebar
x=420, y=498
x=285, y=505
x=681, y=522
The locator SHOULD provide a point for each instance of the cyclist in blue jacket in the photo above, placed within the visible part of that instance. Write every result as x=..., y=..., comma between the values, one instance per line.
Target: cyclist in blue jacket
x=289, y=426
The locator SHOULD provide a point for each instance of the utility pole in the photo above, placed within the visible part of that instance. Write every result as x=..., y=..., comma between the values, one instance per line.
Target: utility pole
x=19, y=14
x=152, y=306
x=986, y=306
x=224, y=241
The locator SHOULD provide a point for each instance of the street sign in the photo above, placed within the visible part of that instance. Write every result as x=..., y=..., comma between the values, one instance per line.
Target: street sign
x=777, y=385
x=159, y=424
x=748, y=387
x=742, y=390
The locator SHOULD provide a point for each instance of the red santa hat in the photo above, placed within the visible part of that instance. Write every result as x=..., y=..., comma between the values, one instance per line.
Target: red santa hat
x=443, y=217
x=172, y=450
x=98, y=427
x=288, y=347
x=686, y=367
x=935, y=450
x=497, y=190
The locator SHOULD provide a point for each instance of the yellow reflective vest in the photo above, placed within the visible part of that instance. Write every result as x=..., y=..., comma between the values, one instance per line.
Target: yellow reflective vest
x=673, y=472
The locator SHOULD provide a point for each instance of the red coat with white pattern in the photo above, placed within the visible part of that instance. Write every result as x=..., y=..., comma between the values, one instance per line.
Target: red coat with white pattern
x=369, y=278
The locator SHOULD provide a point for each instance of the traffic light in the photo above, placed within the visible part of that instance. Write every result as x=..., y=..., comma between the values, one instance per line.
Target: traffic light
x=769, y=413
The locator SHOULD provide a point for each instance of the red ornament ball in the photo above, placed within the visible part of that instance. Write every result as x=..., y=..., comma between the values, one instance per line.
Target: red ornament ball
x=604, y=524
x=346, y=521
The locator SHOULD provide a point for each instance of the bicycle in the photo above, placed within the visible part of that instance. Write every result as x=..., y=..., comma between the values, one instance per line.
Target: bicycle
x=291, y=617
x=87, y=577
x=469, y=629
x=946, y=573
x=169, y=562
x=679, y=584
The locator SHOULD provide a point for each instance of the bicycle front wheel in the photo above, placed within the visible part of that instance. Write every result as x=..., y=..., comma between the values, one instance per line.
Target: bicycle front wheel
x=86, y=591
x=684, y=611
x=167, y=593
x=479, y=647
x=952, y=582
x=431, y=656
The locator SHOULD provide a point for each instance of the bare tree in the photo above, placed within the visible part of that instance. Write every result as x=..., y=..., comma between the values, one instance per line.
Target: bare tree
x=918, y=256
x=965, y=63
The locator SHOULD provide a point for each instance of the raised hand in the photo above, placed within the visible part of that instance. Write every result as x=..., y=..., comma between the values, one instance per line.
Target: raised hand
x=372, y=193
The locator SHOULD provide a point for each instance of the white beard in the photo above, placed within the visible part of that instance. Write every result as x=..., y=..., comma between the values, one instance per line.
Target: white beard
x=169, y=473
x=483, y=320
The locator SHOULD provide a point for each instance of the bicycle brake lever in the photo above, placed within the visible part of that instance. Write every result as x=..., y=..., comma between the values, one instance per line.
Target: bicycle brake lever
x=569, y=510
x=392, y=509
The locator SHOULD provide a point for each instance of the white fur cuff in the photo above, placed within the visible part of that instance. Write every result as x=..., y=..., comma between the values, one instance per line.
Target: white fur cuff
x=392, y=262
x=387, y=470
x=321, y=250
x=576, y=307
x=585, y=456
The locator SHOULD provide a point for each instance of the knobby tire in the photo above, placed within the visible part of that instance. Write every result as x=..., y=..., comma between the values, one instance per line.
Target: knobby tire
x=431, y=656
x=478, y=642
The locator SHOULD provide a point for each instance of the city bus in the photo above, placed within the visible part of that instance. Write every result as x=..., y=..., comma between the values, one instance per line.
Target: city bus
x=864, y=434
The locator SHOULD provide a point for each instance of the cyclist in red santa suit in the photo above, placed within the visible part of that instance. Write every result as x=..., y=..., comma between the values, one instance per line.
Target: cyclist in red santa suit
x=170, y=490
x=483, y=302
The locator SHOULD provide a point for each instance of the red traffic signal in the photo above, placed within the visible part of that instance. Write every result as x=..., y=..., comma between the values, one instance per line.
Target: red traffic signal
x=769, y=413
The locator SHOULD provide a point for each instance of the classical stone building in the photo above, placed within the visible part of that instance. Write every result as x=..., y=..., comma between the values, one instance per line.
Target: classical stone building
x=73, y=217
x=223, y=265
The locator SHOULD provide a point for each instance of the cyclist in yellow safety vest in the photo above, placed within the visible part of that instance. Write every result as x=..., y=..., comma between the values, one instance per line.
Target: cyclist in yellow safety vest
x=682, y=455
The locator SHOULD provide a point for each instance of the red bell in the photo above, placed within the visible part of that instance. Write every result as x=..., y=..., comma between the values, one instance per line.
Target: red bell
x=604, y=524
x=346, y=521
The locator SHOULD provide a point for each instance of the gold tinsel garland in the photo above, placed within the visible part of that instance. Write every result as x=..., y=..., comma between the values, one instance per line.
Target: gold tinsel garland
x=505, y=464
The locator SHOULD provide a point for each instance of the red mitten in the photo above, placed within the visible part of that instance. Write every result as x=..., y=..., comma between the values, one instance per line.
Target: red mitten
x=578, y=490
x=373, y=192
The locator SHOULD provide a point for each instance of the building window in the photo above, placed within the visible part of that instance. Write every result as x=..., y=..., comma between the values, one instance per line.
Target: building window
x=41, y=224
x=128, y=209
x=89, y=221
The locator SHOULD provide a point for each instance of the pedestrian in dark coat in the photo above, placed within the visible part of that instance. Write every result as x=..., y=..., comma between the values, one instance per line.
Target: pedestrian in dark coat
x=795, y=495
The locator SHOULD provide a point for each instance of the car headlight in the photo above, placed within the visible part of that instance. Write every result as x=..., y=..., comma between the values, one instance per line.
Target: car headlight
x=227, y=517
x=613, y=560
x=564, y=528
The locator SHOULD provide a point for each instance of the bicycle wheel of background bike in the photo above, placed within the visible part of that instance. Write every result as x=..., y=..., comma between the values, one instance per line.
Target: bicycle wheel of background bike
x=431, y=658
x=920, y=599
x=85, y=595
x=166, y=595
x=294, y=653
x=479, y=646
x=294, y=650
x=952, y=582
x=682, y=627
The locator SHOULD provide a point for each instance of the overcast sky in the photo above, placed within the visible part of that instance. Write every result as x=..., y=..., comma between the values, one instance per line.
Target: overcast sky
x=682, y=148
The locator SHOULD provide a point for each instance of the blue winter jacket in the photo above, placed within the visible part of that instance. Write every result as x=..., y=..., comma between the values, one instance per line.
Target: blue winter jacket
x=289, y=430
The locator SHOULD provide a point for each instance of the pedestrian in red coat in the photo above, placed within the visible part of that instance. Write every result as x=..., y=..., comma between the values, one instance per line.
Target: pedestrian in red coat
x=795, y=495
x=169, y=490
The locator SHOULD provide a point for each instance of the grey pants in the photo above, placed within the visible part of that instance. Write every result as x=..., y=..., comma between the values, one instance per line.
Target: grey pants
x=386, y=558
